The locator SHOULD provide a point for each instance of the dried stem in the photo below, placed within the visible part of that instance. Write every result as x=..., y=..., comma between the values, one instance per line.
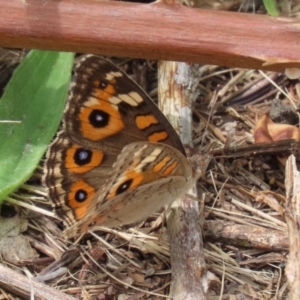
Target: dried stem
x=292, y=183
x=21, y=285
x=185, y=237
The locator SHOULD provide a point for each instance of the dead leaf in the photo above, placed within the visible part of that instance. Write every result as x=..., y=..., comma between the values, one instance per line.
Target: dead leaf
x=267, y=131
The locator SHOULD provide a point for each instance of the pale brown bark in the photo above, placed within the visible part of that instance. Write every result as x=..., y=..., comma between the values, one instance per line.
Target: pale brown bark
x=189, y=274
x=292, y=183
x=160, y=30
x=246, y=236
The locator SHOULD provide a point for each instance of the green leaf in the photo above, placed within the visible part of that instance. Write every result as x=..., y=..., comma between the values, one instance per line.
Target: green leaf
x=271, y=7
x=30, y=113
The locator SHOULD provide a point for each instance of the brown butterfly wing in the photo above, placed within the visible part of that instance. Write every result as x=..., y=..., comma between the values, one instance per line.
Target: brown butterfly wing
x=105, y=111
x=145, y=177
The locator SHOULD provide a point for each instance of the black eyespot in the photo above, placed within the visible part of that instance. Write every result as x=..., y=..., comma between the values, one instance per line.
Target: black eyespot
x=82, y=156
x=99, y=118
x=81, y=195
x=124, y=186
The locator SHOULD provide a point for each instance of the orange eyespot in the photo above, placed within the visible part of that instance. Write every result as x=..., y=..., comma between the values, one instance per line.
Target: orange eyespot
x=100, y=120
x=81, y=160
x=129, y=181
x=80, y=197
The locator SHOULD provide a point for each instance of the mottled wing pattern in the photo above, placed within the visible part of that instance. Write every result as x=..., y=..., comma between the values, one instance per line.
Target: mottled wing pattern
x=106, y=111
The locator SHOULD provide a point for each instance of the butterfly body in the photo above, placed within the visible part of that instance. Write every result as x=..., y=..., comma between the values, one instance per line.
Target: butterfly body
x=117, y=158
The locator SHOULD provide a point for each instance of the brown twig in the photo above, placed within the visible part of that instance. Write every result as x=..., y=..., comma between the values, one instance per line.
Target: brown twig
x=285, y=147
x=163, y=31
x=292, y=215
x=245, y=235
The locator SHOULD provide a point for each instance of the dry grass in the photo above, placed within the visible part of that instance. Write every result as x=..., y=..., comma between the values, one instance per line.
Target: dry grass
x=243, y=218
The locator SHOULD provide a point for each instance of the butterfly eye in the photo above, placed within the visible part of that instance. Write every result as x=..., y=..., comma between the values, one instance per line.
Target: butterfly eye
x=99, y=118
x=124, y=186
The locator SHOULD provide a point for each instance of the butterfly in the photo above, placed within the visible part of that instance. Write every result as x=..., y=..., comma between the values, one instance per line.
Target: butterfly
x=117, y=158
